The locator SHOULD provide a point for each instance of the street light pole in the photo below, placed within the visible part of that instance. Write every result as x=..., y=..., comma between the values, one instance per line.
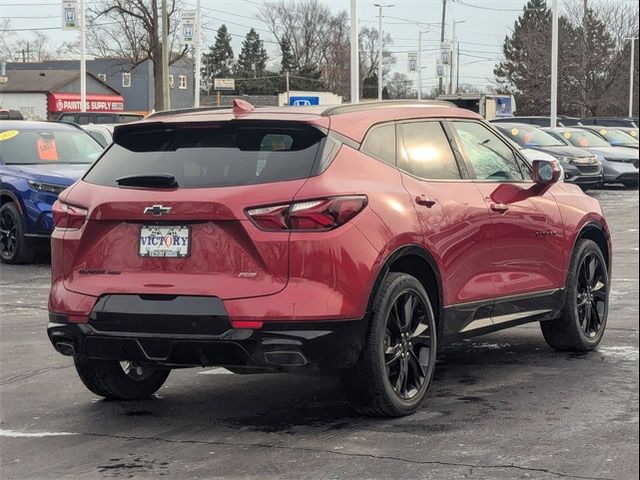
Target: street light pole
x=166, y=99
x=83, y=58
x=198, y=55
x=380, y=46
x=554, y=63
x=631, y=72
x=355, y=54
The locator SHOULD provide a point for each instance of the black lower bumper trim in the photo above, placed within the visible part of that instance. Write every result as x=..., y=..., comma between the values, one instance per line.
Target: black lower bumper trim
x=277, y=346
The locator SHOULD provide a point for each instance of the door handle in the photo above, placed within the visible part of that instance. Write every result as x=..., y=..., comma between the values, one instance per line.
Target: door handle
x=425, y=201
x=499, y=207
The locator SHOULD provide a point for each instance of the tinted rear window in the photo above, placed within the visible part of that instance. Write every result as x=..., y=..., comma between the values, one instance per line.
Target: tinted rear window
x=215, y=155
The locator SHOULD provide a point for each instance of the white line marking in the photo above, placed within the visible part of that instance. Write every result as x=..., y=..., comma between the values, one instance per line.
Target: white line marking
x=216, y=371
x=14, y=434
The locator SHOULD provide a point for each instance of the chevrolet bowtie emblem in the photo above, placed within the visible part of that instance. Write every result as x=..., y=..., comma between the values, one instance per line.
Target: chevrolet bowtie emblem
x=157, y=210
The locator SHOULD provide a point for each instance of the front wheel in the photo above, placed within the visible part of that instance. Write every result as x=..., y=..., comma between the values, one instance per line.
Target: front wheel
x=584, y=318
x=120, y=380
x=14, y=247
x=397, y=364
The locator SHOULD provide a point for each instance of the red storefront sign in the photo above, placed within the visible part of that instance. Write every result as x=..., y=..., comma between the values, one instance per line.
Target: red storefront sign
x=70, y=102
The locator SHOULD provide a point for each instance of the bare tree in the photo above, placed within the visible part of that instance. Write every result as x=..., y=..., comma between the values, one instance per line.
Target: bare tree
x=35, y=48
x=303, y=24
x=370, y=53
x=5, y=35
x=131, y=30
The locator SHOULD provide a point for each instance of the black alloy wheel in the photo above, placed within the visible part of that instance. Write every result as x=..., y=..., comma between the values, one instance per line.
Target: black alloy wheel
x=591, y=295
x=8, y=234
x=407, y=345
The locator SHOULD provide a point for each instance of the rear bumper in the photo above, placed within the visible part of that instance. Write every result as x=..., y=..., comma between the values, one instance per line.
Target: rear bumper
x=180, y=333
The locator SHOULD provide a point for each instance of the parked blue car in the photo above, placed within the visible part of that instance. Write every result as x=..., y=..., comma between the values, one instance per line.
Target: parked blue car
x=38, y=160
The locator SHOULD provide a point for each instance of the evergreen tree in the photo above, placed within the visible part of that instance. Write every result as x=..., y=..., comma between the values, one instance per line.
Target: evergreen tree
x=253, y=56
x=218, y=62
x=526, y=68
x=286, y=64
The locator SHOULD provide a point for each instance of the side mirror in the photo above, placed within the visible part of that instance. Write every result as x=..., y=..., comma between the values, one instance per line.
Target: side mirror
x=546, y=172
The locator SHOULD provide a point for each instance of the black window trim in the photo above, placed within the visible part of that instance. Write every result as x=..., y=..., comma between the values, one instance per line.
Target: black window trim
x=520, y=161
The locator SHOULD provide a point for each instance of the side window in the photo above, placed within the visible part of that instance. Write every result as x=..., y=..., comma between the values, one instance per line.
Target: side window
x=126, y=80
x=425, y=152
x=380, y=143
x=489, y=156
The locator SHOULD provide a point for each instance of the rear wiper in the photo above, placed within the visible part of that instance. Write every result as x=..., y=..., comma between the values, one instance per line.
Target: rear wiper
x=159, y=180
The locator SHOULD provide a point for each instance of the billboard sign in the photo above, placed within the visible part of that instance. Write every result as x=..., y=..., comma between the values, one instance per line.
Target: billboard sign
x=228, y=84
x=70, y=15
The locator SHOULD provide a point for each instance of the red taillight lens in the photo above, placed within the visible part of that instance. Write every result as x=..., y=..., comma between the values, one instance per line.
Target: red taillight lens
x=68, y=216
x=312, y=215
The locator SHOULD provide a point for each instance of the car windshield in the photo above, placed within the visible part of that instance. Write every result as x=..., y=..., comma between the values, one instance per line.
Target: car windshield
x=617, y=137
x=531, y=137
x=583, y=138
x=47, y=146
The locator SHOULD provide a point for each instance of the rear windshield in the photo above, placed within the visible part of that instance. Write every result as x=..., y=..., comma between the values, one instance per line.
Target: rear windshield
x=215, y=155
x=47, y=145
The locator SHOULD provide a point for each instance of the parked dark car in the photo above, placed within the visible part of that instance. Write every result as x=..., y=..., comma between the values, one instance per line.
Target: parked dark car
x=580, y=166
x=354, y=239
x=611, y=121
x=538, y=121
x=85, y=118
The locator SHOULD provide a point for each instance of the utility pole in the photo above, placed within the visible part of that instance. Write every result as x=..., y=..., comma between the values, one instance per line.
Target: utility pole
x=380, y=46
x=198, y=55
x=355, y=54
x=166, y=97
x=458, y=67
x=453, y=44
x=585, y=40
x=631, y=72
x=83, y=58
x=444, y=16
x=420, y=65
x=554, y=63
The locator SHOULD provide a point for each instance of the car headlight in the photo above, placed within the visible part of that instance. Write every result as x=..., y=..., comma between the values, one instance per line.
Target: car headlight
x=564, y=159
x=47, y=187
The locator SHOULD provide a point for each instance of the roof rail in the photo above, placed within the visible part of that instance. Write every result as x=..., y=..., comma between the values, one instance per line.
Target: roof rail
x=377, y=105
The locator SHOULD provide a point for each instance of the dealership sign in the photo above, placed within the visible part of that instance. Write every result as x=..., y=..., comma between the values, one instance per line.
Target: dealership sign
x=70, y=102
x=188, y=26
x=69, y=15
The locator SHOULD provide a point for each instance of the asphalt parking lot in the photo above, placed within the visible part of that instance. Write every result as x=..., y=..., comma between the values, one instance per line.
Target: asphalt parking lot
x=503, y=406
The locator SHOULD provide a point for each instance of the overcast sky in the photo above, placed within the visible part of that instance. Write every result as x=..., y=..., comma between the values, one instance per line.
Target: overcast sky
x=481, y=36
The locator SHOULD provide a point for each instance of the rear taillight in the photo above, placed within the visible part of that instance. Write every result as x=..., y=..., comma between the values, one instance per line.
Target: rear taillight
x=68, y=216
x=311, y=215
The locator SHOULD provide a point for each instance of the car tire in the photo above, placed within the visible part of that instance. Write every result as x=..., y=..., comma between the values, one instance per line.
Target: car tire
x=586, y=308
x=14, y=246
x=396, y=367
x=112, y=380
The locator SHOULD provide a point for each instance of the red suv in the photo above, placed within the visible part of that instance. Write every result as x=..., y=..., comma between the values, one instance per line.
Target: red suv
x=355, y=239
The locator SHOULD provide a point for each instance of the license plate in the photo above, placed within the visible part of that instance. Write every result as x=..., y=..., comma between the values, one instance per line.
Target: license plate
x=164, y=241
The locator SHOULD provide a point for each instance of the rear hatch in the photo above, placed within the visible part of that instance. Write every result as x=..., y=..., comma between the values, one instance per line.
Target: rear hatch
x=166, y=209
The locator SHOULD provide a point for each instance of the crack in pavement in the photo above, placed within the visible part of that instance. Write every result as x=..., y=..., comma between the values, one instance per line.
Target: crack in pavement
x=24, y=376
x=347, y=454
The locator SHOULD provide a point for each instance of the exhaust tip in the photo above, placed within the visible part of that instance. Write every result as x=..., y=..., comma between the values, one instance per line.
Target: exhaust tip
x=66, y=348
x=285, y=358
